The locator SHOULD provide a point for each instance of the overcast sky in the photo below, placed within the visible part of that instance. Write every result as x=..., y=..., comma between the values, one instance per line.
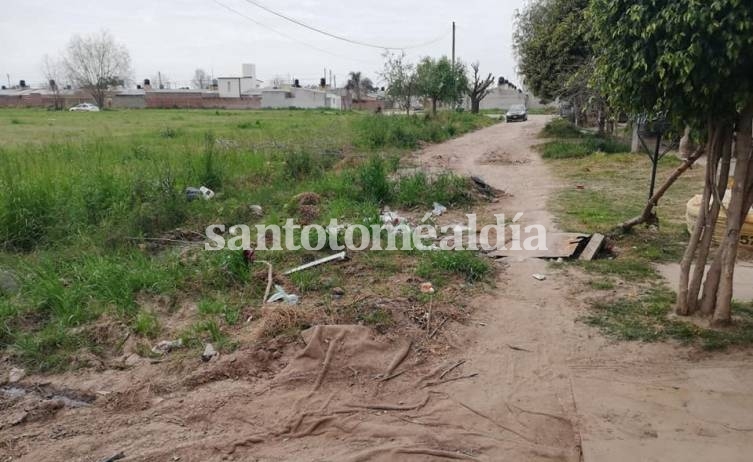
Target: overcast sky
x=178, y=36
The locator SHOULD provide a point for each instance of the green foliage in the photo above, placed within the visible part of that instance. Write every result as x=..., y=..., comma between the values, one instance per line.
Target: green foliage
x=465, y=263
x=561, y=128
x=378, y=131
x=552, y=48
x=401, y=78
x=581, y=148
x=211, y=176
x=440, y=81
x=372, y=178
x=689, y=59
x=646, y=318
x=74, y=214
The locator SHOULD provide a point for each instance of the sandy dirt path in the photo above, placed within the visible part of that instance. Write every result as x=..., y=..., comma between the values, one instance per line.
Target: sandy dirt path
x=524, y=381
x=624, y=401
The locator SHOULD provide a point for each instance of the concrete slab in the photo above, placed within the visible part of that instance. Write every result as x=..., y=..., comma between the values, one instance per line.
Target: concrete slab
x=743, y=283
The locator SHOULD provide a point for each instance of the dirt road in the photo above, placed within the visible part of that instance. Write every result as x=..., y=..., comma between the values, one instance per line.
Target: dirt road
x=524, y=381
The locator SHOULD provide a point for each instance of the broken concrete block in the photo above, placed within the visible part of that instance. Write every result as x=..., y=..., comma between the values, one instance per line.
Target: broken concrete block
x=209, y=352
x=16, y=375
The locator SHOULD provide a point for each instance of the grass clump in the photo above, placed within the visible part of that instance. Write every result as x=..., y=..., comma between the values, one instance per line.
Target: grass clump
x=561, y=128
x=399, y=131
x=648, y=319
x=465, y=263
x=574, y=149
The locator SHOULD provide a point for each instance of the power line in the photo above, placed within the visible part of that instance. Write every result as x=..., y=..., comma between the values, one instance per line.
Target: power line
x=260, y=24
x=340, y=37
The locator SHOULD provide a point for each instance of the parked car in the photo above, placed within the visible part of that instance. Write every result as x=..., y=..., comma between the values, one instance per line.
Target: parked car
x=516, y=112
x=84, y=107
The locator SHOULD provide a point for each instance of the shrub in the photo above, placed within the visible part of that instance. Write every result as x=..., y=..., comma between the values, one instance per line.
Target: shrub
x=211, y=175
x=462, y=262
x=299, y=165
x=372, y=177
x=561, y=128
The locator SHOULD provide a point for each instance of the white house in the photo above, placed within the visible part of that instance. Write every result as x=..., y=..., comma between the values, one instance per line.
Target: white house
x=304, y=98
x=234, y=87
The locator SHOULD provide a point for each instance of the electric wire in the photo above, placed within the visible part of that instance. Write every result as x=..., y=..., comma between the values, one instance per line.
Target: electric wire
x=340, y=37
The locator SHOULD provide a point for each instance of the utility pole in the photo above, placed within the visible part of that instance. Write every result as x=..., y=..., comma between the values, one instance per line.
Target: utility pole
x=453, y=45
x=454, y=83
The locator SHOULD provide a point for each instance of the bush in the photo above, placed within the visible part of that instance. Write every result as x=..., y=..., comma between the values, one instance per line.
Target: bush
x=373, y=181
x=572, y=149
x=418, y=189
x=561, y=128
x=299, y=165
x=462, y=262
x=211, y=176
x=380, y=131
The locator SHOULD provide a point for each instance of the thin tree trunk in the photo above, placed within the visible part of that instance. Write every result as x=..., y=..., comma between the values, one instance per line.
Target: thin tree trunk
x=710, y=286
x=735, y=216
x=683, y=306
x=635, y=142
x=648, y=214
x=434, y=106
x=713, y=175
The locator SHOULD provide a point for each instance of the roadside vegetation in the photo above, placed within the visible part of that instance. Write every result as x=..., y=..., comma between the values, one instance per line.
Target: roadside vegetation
x=97, y=231
x=599, y=190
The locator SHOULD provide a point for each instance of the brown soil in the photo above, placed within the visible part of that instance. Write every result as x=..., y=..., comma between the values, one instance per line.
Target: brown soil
x=521, y=380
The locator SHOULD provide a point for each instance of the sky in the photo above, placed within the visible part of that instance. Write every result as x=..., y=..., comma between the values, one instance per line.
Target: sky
x=175, y=37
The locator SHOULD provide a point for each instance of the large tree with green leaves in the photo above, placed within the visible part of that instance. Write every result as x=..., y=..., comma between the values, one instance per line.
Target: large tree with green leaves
x=440, y=80
x=691, y=61
x=552, y=49
x=401, y=79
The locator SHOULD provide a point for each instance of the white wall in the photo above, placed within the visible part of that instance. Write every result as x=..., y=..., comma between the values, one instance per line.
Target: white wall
x=229, y=87
x=299, y=97
x=502, y=99
x=249, y=84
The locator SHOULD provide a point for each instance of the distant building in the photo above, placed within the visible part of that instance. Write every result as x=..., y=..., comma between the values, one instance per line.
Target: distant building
x=235, y=87
x=304, y=98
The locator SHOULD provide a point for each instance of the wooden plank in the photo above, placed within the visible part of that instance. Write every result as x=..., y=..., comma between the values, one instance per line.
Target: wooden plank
x=559, y=245
x=594, y=245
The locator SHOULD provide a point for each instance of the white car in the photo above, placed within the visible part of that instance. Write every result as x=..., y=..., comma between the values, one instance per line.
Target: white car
x=84, y=107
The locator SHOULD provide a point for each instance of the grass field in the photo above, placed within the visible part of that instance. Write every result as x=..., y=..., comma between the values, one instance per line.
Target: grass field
x=604, y=189
x=91, y=202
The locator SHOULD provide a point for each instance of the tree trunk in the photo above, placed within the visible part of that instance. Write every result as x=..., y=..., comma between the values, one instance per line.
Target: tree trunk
x=475, y=105
x=434, y=106
x=683, y=304
x=635, y=142
x=601, y=120
x=712, y=278
x=738, y=209
x=717, y=289
x=648, y=212
x=713, y=175
x=686, y=144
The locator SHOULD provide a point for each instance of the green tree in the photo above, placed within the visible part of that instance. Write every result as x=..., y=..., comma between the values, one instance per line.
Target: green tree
x=441, y=81
x=690, y=61
x=401, y=79
x=553, y=50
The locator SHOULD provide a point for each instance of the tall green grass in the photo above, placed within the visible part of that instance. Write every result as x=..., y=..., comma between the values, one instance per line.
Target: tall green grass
x=85, y=201
x=378, y=131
